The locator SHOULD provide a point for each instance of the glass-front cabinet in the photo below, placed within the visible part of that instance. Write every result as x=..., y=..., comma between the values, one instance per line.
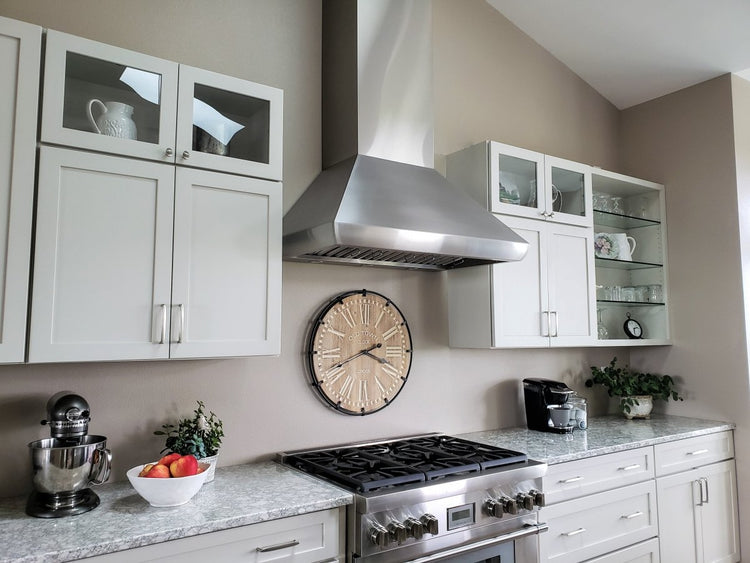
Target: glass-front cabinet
x=529, y=184
x=630, y=259
x=104, y=98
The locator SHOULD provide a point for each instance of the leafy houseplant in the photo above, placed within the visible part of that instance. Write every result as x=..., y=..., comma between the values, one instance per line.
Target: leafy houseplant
x=199, y=435
x=628, y=384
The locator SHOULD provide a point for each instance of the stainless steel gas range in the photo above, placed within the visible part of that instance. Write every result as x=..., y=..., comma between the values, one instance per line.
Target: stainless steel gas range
x=434, y=498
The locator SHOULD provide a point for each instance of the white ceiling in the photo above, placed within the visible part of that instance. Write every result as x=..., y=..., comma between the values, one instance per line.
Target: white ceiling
x=632, y=51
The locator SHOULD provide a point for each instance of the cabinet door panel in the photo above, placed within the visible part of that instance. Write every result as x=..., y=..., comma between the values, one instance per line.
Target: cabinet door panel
x=227, y=268
x=719, y=520
x=229, y=124
x=571, y=283
x=102, y=258
x=519, y=294
x=20, y=51
x=679, y=528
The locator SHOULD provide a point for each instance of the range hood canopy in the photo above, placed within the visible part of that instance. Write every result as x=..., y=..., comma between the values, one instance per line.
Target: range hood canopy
x=379, y=201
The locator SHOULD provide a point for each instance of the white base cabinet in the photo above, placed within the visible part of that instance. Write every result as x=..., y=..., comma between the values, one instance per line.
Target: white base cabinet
x=313, y=537
x=107, y=285
x=698, y=516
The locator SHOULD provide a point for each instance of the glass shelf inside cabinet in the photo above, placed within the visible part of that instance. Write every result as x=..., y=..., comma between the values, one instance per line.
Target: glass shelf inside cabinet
x=630, y=303
x=607, y=219
x=129, y=97
x=624, y=264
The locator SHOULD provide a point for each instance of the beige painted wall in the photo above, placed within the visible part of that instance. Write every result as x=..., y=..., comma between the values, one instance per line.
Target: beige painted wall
x=493, y=82
x=686, y=140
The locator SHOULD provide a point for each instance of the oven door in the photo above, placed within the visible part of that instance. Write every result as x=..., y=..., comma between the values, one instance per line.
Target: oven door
x=521, y=545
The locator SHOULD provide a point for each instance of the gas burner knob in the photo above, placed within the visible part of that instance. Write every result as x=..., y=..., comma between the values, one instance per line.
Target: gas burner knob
x=398, y=532
x=414, y=528
x=494, y=508
x=538, y=497
x=525, y=500
x=379, y=535
x=430, y=524
x=510, y=506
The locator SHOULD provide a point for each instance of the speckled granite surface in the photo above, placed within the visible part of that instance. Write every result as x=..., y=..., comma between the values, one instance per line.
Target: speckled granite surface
x=605, y=434
x=247, y=494
x=239, y=495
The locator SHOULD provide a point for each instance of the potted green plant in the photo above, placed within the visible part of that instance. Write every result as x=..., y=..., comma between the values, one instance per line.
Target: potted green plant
x=636, y=390
x=199, y=435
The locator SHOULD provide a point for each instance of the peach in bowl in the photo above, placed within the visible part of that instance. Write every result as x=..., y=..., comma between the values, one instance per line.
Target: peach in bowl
x=171, y=481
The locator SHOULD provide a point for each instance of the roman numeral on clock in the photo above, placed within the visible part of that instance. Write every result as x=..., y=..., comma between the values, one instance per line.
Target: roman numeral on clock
x=390, y=332
x=346, y=314
x=390, y=370
x=364, y=313
x=393, y=351
x=331, y=354
x=332, y=375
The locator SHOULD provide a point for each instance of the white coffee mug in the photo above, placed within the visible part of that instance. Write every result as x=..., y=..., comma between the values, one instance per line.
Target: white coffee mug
x=626, y=244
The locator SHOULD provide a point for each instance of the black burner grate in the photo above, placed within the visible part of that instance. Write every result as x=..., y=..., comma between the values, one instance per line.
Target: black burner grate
x=413, y=460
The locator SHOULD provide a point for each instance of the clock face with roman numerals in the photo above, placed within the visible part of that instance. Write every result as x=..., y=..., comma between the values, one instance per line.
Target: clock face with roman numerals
x=359, y=352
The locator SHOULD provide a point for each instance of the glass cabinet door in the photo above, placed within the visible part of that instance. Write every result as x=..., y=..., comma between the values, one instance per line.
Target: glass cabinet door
x=568, y=194
x=229, y=124
x=108, y=99
x=516, y=181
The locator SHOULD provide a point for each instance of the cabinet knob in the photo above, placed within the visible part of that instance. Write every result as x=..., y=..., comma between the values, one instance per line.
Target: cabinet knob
x=168, y=152
x=185, y=154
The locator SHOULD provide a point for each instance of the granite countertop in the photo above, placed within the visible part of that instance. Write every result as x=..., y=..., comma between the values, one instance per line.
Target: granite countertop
x=247, y=494
x=239, y=495
x=604, y=435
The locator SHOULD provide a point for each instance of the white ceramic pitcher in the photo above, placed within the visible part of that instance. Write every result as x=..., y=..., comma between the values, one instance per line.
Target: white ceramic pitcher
x=115, y=119
x=626, y=244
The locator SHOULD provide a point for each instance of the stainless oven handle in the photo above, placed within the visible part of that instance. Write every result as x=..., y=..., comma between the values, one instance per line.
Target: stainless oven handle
x=527, y=530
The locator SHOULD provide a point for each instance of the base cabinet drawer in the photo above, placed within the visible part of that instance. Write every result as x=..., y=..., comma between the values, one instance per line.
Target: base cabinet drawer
x=573, y=479
x=682, y=455
x=595, y=525
x=644, y=552
x=313, y=537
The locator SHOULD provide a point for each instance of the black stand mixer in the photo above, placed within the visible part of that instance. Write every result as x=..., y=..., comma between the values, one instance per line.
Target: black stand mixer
x=65, y=465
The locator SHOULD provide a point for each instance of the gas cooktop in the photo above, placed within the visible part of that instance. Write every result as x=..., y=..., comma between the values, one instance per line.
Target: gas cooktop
x=375, y=466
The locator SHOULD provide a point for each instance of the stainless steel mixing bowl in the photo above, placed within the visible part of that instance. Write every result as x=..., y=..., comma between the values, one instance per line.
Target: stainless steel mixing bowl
x=62, y=465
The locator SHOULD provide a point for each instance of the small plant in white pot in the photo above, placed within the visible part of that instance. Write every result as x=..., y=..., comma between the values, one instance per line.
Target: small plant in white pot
x=636, y=390
x=199, y=435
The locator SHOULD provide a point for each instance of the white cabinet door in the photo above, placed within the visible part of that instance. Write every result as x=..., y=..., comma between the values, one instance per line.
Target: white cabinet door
x=226, y=293
x=571, y=286
x=545, y=299
x=20, y=52
x=225, y=123
x=102, y=267
x=698, y=515
x=520, y=311
x=78, y=70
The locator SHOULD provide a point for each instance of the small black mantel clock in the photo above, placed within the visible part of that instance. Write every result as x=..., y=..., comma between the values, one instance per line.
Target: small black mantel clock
x=359, y=352
x=632, y=328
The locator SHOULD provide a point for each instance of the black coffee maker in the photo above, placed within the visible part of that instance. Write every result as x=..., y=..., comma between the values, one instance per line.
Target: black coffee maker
x=546, y=405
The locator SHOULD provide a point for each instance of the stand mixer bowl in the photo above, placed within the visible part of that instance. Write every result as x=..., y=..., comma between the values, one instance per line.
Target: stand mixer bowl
x=65, y=465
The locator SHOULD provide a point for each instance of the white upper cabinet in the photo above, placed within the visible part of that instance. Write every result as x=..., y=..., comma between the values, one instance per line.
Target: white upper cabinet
x=104, y=98
x=20, y=52
x=523, y=183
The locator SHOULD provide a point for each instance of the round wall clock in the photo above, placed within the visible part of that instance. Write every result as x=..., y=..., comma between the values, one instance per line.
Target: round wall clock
x=632, y=328
x=359, y=352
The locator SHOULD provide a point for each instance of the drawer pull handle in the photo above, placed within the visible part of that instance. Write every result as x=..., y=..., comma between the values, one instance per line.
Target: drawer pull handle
x=277, y=546
x=630, y=467
x=631, y=516
x=574, y=532
x=698, y=452
x=571, y=480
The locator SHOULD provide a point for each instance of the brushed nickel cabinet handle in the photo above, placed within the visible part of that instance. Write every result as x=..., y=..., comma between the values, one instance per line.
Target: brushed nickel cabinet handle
x=629, y=467
x=277, y=546
x=571, y=480
x=182, y=323
x=631, y=516
x=185, y=154
x=163, y=332
x=574, y=532
x=697, y=452
x=168, y=151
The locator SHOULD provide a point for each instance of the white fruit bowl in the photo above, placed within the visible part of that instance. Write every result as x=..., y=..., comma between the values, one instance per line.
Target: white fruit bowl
x=172, y=491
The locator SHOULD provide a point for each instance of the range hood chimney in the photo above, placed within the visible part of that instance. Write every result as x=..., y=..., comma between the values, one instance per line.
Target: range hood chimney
x=379, y=201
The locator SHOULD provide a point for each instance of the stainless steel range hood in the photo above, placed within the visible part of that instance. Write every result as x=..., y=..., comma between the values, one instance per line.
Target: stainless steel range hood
x=379, y=200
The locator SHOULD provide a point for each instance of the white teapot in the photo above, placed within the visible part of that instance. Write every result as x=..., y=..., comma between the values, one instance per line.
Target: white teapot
x=115, y=119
